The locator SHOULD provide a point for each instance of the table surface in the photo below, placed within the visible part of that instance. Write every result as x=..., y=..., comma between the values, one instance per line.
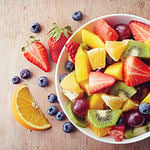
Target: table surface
x=15, y=19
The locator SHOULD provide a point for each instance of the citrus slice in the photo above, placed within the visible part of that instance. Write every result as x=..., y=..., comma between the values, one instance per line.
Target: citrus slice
x=26, y=111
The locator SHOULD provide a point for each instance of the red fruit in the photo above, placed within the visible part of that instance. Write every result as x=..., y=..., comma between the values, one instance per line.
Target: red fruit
x=99, y=81
x=140, y=31
x=135, y=71
x=105, y=31
x=35, y=52
x=122, y=128
x=57, y=39
x=72, y=48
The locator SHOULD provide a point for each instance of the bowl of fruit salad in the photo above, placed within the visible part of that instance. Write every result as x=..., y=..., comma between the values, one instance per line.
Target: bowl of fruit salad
x=103, y=78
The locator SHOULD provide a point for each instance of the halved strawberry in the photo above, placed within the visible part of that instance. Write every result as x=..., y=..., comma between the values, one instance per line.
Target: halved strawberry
x=135, y=71
x=121, y=127
x=140, y=31
x=99, y=81
x=105, y=31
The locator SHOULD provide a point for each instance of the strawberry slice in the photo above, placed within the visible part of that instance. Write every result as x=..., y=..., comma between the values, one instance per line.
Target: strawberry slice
x=122, y=128
x=135, y=71
x=105, y=31
x=99, y=81
x=140, y=31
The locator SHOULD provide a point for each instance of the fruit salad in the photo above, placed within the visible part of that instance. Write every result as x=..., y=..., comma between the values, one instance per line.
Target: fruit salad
x=108, y=79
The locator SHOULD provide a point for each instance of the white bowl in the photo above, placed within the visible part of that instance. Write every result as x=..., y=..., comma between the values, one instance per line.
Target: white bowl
x=112, y=19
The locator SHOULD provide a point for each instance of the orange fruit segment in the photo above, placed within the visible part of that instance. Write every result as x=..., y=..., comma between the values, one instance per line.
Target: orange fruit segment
x=146, y=99
x=26, y=111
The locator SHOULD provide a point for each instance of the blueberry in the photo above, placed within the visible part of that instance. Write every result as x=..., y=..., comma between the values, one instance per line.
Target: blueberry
x=144, y=108
x=120, y=121
x=68, y=127
x=43, y=81
x=52, y=98
x=77, y=15
x=52, y=110
x=60, y=116
x=35, y=27
x=25, y=74
x=15, y=79
x=69, y=66
x=62, y=77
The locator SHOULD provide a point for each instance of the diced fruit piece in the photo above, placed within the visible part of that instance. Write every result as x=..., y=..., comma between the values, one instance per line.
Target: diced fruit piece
x=91, y=39
x=115, y=70
x=122, y=90
x=79, y=122
x=105, y=31
x=99, y=81
x=96, y=102
x=144, y=108
x=140, y=31
x=130, y=105
x=26, y=111
x=135, y=48
x=85, y=86
x=147, y=42
x=70, y=87
x=146, y=99
x=97, y=58
x=68, y=127
x=103, y=118
x=82, y=65
x=77, y=15
x=135, y=71
x=114, y=102
x=115, y=49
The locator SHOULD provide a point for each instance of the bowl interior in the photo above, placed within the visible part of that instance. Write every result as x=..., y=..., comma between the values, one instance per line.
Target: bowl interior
x=112, y=19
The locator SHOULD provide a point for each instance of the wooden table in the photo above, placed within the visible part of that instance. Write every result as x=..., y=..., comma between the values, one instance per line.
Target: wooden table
x=15, y=19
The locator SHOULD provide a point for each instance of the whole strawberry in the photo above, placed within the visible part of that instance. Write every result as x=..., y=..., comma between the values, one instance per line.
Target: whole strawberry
x=57, y=39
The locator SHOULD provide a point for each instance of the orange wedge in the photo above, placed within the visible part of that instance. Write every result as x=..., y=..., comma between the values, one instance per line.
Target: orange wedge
x=26, y=111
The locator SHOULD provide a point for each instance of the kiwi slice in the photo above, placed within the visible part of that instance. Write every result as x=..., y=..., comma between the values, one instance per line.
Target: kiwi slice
x=79, y=122
x=122, y=90
x=103, y=118
x=138, y=49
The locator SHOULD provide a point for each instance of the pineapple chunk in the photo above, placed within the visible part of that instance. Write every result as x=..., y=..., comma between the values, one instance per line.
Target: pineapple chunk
x=85, y=86
x=146, y=99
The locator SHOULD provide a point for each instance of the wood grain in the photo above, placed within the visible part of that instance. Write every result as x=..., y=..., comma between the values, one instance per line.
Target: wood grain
x=15, y=19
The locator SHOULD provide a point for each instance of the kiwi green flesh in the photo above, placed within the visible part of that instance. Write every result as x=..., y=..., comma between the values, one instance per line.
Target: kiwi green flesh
x=103, y=118
x=138, y=49
x=122, y=90
x=74, y=118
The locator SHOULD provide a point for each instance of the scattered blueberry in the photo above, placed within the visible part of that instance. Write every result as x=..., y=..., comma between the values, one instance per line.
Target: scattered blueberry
x=52, y=98
x=68, y=127
x=62, y=77
x=144, y=108
x=25, y=74
x=52, y=110
x=35, y=27
x=120, y=121
x=43, y=81
x=15, y=80
x=77, y=15
x=69, y=66
x=60, y=116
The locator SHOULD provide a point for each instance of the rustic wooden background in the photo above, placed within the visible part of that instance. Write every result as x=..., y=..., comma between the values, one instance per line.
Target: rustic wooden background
x=15, y=19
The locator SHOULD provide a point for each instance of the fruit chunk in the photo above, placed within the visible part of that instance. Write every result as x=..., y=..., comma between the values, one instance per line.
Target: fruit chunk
x=82, y=65
x=99, y=81
x=146, y=99
x=97, y=58
x=147, y=42
x=105, y=31
x=79, y=122
x=26, y=111
x=122, y=90
x=135, y=71
x=115, y=70
x=103, y=118
x=115, y=49
x=96, y=102
x=85, y=86
x=114, y=102
x=140, y=31
x=135, y=48
x=70, y=87
x=91, y=39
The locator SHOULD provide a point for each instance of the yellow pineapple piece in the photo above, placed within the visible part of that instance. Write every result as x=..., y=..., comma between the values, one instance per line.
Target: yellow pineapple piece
x=146, y=99
x=96, y=102
x=91, y=39
x=147, y=42
x=70, y=87
x=85, y=86
x=115, y=70
x=82, y=65
x=97, y=58
x=115, y=49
